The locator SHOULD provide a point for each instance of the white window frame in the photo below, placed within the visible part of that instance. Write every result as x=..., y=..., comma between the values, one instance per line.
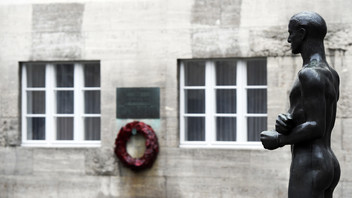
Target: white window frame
x=210, y=111
x=50, y=105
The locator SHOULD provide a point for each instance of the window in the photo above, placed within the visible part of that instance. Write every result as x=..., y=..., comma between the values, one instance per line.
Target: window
x=61, y=104
x=223, y=103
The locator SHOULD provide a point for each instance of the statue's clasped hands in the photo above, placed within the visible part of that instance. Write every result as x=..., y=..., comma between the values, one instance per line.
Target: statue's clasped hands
x=273, y=139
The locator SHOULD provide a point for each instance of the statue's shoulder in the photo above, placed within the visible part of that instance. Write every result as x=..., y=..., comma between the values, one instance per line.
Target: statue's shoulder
x=335, y=75
x=313, y=77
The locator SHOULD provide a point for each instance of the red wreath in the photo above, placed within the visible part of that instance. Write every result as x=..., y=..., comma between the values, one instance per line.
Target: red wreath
x=151, y=144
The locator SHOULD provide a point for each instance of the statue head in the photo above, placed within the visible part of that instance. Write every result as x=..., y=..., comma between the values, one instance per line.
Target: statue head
x=304, y=26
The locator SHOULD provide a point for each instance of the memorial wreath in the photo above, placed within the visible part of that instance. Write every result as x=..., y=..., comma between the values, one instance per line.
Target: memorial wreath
x=151, y=143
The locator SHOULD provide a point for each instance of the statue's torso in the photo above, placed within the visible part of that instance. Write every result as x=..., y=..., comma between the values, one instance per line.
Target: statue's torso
x=330, y=80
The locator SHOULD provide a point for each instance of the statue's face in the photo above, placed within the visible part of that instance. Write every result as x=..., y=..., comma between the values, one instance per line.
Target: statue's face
x=295, y=37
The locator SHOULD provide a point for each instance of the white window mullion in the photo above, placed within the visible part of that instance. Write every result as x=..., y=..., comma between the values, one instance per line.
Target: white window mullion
x=24, y=103
x=182, y=103
x=50, y=104
x=210, y=103
x=241, y=101
x=78, y=103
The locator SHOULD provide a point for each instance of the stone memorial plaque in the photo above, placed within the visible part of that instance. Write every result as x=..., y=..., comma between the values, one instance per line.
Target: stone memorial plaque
x=138, y=103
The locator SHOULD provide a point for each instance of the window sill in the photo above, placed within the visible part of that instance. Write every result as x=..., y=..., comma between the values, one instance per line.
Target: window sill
x=244, y=145
x=62, y=144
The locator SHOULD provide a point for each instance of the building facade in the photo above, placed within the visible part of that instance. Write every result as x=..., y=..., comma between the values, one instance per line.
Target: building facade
x=223, y=70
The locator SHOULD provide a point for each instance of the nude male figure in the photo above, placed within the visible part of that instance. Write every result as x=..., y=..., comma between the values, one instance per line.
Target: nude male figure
x=307, y=126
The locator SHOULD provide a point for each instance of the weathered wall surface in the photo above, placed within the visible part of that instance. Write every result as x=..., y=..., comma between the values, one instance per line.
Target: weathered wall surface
x=138, y=43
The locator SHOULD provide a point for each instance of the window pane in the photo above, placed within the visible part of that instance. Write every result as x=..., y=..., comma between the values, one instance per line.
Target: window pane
x=195, y=129
x=225, y=72
x=92, y=75
x=35, y=128
x=64, y=102
x=92, y=128
x=64, y=128
x=256, y=101
x=35, y=75
x=92, y=102
x=194, y=101
x=195, y=73
x=225, y=129
x=64, y=75
x=36, y=102
x=226, y=101
x=256, y=72
x=255, y=125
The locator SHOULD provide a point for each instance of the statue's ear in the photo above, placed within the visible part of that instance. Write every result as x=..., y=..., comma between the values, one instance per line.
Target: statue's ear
x=302, y=33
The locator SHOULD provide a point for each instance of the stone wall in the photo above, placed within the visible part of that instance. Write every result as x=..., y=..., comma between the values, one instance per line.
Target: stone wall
x=139, y=43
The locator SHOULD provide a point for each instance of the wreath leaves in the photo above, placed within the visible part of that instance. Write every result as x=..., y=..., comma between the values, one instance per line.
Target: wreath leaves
x=151, y=143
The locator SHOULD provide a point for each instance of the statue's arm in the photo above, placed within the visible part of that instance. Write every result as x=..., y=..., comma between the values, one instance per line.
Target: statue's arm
x=314, y=104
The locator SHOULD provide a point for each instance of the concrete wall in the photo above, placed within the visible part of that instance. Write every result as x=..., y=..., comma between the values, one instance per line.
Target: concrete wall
x=138, y=43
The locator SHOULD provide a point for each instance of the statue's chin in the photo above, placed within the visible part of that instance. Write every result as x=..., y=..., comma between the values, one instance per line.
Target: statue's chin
x=295, y=51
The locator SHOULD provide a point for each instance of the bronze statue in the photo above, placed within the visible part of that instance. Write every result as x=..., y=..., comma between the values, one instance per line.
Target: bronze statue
x=307, y=126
